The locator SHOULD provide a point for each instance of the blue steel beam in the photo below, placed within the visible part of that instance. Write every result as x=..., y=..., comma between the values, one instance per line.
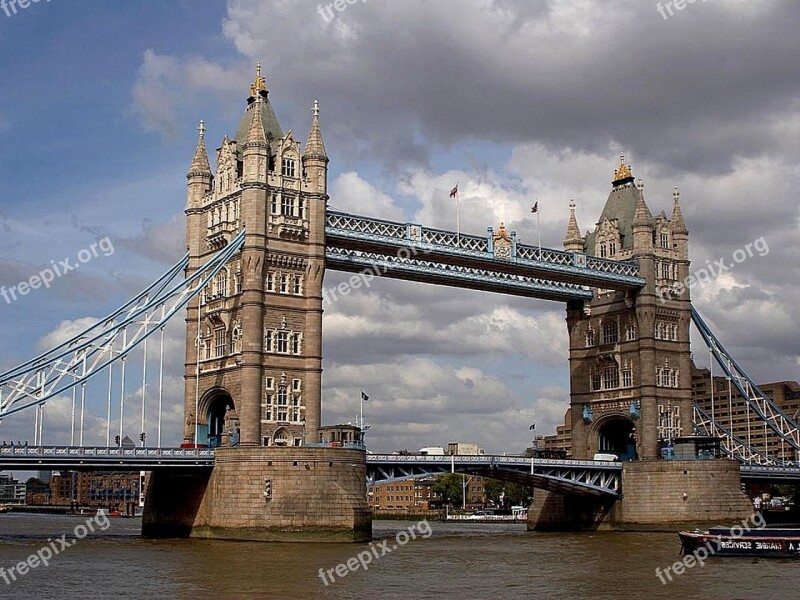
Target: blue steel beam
x=103, y=459
x=575, y=477
x=417, y=269
x=355, y=232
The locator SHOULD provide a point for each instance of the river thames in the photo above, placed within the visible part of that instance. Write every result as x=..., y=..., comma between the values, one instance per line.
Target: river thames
x=456, y=561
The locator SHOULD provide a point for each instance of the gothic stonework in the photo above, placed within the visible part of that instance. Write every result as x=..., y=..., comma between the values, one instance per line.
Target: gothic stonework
x=630, y=364
x=257, y=358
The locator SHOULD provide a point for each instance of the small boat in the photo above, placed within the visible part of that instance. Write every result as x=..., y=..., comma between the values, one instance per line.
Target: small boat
x=734, y=541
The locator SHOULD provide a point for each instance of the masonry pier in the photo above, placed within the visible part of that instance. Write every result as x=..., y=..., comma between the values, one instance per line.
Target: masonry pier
x=657, y=495
x=266, y=494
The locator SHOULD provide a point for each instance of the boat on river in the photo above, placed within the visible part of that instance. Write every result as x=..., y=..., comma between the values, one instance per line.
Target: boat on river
x=733, y=541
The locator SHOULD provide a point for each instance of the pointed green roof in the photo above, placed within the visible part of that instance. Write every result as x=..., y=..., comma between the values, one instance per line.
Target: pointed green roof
x=272, y=128
x=621, y=205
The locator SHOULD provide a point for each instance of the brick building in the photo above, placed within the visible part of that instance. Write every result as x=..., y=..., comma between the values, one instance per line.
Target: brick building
x=113, y=491
x=731, y=411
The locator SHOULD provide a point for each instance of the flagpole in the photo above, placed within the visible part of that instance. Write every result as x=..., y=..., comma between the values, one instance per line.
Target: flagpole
x=539, y=232
x=458, y=220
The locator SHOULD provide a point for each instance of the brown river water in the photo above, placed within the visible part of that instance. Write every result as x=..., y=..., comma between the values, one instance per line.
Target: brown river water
x=463, y=561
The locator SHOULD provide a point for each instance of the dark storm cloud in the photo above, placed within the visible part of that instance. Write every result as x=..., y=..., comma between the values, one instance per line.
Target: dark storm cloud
x=691, y=93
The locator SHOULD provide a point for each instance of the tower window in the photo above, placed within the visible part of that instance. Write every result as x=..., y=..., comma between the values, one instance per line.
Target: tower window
x=283, y=342
x=296, y=383
x=270, y=281
x=288, y=206
x=269, y=409
x=298, y=283
x=627, y=378
x=610, y=332
x=596, y=382
x=219, y=342
x=288, y=167
x=664, y=240
x=268, y=341
x=238, y=281
x=610, y=378
x=295, y=343
x=630, y=332
x=603, y=250
x=283, y=404
x=666, y=271
x=222, y=283
x=589, y=337
x=274, y=204
x=284, y=283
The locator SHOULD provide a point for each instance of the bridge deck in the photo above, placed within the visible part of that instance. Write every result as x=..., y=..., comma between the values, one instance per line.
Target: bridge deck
x=350, y=236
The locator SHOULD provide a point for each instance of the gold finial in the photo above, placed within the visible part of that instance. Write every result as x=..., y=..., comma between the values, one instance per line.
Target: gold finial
x=572, y=204
x=201, y=129
x=624, y=171
x=676, y=193
x=259, y=85
x=315, y=110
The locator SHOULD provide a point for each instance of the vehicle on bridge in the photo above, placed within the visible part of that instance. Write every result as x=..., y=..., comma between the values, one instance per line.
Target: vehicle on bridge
x=432, y=451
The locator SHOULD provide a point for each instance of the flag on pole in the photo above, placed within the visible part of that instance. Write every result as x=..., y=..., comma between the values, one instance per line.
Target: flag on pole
x=364, y=397
x=454, y=192
x=535, y=207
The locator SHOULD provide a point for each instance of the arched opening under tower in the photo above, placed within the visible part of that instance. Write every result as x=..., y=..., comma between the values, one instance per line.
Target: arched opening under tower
x=617, y=435
x=220, y=407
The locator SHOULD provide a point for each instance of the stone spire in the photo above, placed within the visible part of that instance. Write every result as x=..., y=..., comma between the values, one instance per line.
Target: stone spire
x=256, y=134
x=573, y=242
x=200, y=164
x=315, y=146
x=678, y=224
x=642, y=217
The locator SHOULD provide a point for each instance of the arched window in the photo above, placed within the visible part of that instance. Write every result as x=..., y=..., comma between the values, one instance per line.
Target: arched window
x=236, y=337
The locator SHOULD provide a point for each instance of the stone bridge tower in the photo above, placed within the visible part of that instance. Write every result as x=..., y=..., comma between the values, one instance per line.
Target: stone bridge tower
x=253, y=364
x=630, y=363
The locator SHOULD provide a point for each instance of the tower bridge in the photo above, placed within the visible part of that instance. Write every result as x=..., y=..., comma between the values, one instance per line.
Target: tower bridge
x=260, y=236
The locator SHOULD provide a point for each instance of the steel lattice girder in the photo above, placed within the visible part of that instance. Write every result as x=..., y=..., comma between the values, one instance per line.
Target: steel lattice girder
x=75, y=362
x=101, y=458
x=766, y=410
x=594, y=478
x=355, y=232
x=770, y=473
x=427, y=271
x=733, y=446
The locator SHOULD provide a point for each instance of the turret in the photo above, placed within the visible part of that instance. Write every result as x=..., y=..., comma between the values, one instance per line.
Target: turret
x=680, y=234
x=642, y=221
x=315, y=158
x=255, y=149
x=573, y=242
x=199, y=184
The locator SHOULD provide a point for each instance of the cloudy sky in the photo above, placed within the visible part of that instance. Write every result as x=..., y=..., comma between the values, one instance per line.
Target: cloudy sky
x=515, y=99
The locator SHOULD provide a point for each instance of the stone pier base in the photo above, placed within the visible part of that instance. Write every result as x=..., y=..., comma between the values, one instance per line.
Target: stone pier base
x=656, y=495
x=267, y=494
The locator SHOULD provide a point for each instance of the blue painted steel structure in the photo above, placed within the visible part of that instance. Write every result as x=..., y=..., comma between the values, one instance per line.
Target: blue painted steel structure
x=581, y=477
x=402, y=250
x=411, y=251
x=103, y=459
